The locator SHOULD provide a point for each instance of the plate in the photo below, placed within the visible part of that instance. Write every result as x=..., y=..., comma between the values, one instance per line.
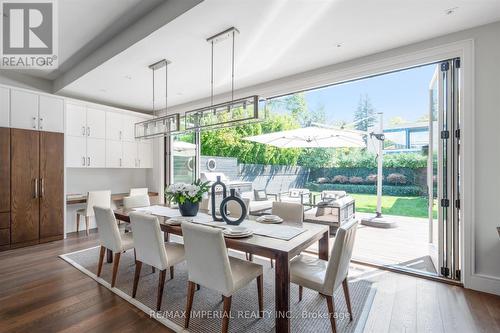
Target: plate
x=265, y=221
x=177, y=220
x=231, y=235
x=235, y=230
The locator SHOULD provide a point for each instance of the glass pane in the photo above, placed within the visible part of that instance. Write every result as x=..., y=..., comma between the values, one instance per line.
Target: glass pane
x=184, y=154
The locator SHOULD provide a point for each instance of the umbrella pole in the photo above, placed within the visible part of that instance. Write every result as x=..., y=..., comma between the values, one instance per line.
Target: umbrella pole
x=380, y=162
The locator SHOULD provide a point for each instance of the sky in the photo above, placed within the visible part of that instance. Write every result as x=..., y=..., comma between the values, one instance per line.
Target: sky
x=401, y=94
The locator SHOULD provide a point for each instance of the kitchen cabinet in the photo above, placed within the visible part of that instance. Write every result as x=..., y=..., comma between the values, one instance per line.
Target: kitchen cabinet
x=96, y=153
x=129, y=127
x=129, y=154
x=76, y=120
x=96, y=123
x=76, y=151
x=144, y=154
x=114, y=124
x=51, y=114
x=114, y=154
x=36, y=112
x=4, y=107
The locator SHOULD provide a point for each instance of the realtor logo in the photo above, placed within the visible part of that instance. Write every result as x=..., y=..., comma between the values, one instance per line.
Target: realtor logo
x=28, y=34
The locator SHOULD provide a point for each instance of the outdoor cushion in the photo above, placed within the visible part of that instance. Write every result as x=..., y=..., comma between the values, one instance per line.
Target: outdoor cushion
x=323, y=209
x=259, y=195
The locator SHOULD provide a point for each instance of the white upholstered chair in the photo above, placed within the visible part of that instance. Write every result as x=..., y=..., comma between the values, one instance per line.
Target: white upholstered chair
x=110, y=238
x=138, y=191
x=234, y=208
x=140, y=200
x=292, y=212
x=326, y=276
x=151, y=249
x=94, y=198
x=210, y=266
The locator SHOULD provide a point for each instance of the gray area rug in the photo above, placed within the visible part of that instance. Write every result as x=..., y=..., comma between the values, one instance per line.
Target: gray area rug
x=309, y=315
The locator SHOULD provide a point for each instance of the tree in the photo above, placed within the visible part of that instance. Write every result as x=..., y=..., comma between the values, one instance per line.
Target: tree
x=363, y=113
x=395, y=121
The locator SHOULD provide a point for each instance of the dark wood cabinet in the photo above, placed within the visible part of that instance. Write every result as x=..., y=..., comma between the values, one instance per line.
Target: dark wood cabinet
x=4, y=169
x=51, y=186
x=36, y=187
x=25, y=172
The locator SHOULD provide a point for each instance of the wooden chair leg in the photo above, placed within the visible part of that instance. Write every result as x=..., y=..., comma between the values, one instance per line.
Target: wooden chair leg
x=87, y=225
x=161, y=285
x=260, y=292
x=189, y=303
x=301, y=290
x=226, y=314
x=116, y=262
x=138, y=266
x=331, y=311
x=345, y=285
x=101, y=260
x=153, y=269
x=171, y=272
x=77, y=223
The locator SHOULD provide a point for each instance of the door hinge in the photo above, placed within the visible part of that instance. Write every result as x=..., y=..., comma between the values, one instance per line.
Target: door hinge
x=457, y=63
x=457, y=133
x=445, y=66
x=445, y=134
x=445, y=203
x=458, y=274
x=445, y=271
x=457, y=203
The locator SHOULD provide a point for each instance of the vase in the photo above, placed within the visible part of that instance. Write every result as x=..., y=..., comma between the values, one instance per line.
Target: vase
x=189, y=208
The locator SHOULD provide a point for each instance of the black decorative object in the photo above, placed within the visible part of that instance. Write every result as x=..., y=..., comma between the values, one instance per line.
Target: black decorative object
x=223, y=210
x=189, y=208
x=216, y=184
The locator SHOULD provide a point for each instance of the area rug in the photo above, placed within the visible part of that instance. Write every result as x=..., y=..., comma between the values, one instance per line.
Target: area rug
x=309, y=315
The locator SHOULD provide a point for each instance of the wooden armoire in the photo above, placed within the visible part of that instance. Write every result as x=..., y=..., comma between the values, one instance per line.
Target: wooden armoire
x=31, y=187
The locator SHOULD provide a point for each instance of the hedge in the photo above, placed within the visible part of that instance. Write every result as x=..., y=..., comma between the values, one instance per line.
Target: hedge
x=413, y=176
x=405, y=191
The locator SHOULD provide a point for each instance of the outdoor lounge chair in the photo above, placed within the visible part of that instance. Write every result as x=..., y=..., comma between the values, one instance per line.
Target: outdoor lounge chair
x=333, y=210
x=300, y=195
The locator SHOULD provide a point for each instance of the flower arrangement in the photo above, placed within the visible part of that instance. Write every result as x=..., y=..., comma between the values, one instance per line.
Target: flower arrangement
x=181, y=193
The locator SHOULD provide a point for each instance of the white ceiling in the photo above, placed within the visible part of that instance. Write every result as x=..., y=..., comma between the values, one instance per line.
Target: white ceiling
x=278, y=38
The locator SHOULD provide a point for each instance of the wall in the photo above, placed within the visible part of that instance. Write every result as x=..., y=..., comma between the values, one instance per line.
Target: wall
x=15, y=79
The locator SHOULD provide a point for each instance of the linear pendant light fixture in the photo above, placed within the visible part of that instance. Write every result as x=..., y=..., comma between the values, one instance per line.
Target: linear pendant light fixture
x=158, y=126
x=241, y=110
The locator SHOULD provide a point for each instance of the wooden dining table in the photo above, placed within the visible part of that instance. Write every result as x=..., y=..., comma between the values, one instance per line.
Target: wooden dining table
x=279, y=250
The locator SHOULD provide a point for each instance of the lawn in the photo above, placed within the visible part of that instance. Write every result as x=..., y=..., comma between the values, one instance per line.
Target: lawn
x=402, y=206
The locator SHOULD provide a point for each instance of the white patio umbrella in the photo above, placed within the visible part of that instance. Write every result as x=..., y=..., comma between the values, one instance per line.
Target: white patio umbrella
x=181, y=148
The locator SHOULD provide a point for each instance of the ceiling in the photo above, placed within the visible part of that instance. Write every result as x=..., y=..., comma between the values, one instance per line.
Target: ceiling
x=278, y=38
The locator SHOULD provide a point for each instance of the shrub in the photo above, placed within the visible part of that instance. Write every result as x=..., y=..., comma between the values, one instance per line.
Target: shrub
x=396, y=179
x=399, y=190
x=356, y=180
x=322, y=180
x=340, y=179
x=372, y=179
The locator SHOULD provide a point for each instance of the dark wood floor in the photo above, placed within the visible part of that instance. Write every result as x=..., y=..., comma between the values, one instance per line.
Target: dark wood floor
x=41, y=293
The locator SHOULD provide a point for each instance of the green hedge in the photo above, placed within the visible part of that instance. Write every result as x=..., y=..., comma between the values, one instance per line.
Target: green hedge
x=406, y=191
x=412, y=175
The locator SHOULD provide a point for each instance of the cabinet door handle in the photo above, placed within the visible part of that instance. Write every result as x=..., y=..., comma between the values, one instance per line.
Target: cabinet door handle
x=121, y=135
x=35, y=189
x=42, y=188
x=88, y=131
x=83, y=130
x=34, y=122
x=40, y=123
x=120, y=162
x=83, y=160
x=139, y=163
x=88, y=161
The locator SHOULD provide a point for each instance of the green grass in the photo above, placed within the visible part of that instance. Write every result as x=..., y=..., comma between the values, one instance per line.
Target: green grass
x=401, y=206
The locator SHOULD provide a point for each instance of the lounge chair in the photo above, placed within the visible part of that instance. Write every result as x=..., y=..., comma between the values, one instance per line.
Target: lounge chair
x=334, y=209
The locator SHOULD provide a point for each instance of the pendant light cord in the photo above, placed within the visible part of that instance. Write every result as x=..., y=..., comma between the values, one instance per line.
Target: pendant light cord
x=232, y=71
x=154, y=111
x=212, y=77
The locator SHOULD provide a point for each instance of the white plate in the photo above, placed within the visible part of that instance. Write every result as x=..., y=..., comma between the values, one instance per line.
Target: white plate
x=263, y=220
x=230, y=235
x=176, y=220
x=234, y=230
x=271, y=217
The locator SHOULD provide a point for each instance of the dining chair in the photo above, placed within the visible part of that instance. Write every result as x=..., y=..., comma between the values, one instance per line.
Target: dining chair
x=326, y=276
x=111, y=239
x=136, y=201
x=210, y=266
x=138, y=191
x=234, y=209
x=292, y=212
x=94, y=198
x=151, y=249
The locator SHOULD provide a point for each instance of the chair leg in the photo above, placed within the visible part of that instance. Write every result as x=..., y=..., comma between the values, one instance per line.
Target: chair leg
x=189, y=303
x=77, y=223
x=260, y=292
x=153, y=269
x=101, y=260
x=87, y=225
x=345, y=285
x=272, y=263
x=116, y=261
x=226, y=314
x=161, y=285
x=138, y=266
x=331, y=311
x=301, y=290
x=171, y=272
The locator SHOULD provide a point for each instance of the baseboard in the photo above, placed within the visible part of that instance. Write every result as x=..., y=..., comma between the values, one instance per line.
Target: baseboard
x=485, y=283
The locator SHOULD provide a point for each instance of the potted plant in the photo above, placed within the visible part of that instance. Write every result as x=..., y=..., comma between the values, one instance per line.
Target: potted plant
x=187, y=196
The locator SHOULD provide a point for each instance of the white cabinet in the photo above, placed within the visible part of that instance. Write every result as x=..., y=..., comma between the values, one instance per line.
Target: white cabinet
x=51, y=114
x=76, y=120
x=114, y=154
x=129, y=127
x=23, y=110
x=96, y=153
x=129, y=154
x=145, y=154
x=114, y=125
x=76, y=152
x=96, y=123
x=4, y=107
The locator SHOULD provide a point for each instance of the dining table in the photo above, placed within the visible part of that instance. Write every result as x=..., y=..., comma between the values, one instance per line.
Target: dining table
x=282, y=251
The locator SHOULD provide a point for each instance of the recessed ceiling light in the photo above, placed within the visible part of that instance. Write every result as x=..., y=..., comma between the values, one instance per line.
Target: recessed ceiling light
x=338, y=45
x=102, y=90
x=450, y=11
x=128, y=77
x=179, y=94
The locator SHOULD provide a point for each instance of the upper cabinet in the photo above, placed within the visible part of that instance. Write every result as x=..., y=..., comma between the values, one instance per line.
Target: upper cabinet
x=29, y=110
x=76, y=120
x=96, y=123
x=4, y=107
x=114, y=124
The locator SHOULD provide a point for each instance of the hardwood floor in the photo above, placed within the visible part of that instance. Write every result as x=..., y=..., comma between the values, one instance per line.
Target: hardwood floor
x=40, y=292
